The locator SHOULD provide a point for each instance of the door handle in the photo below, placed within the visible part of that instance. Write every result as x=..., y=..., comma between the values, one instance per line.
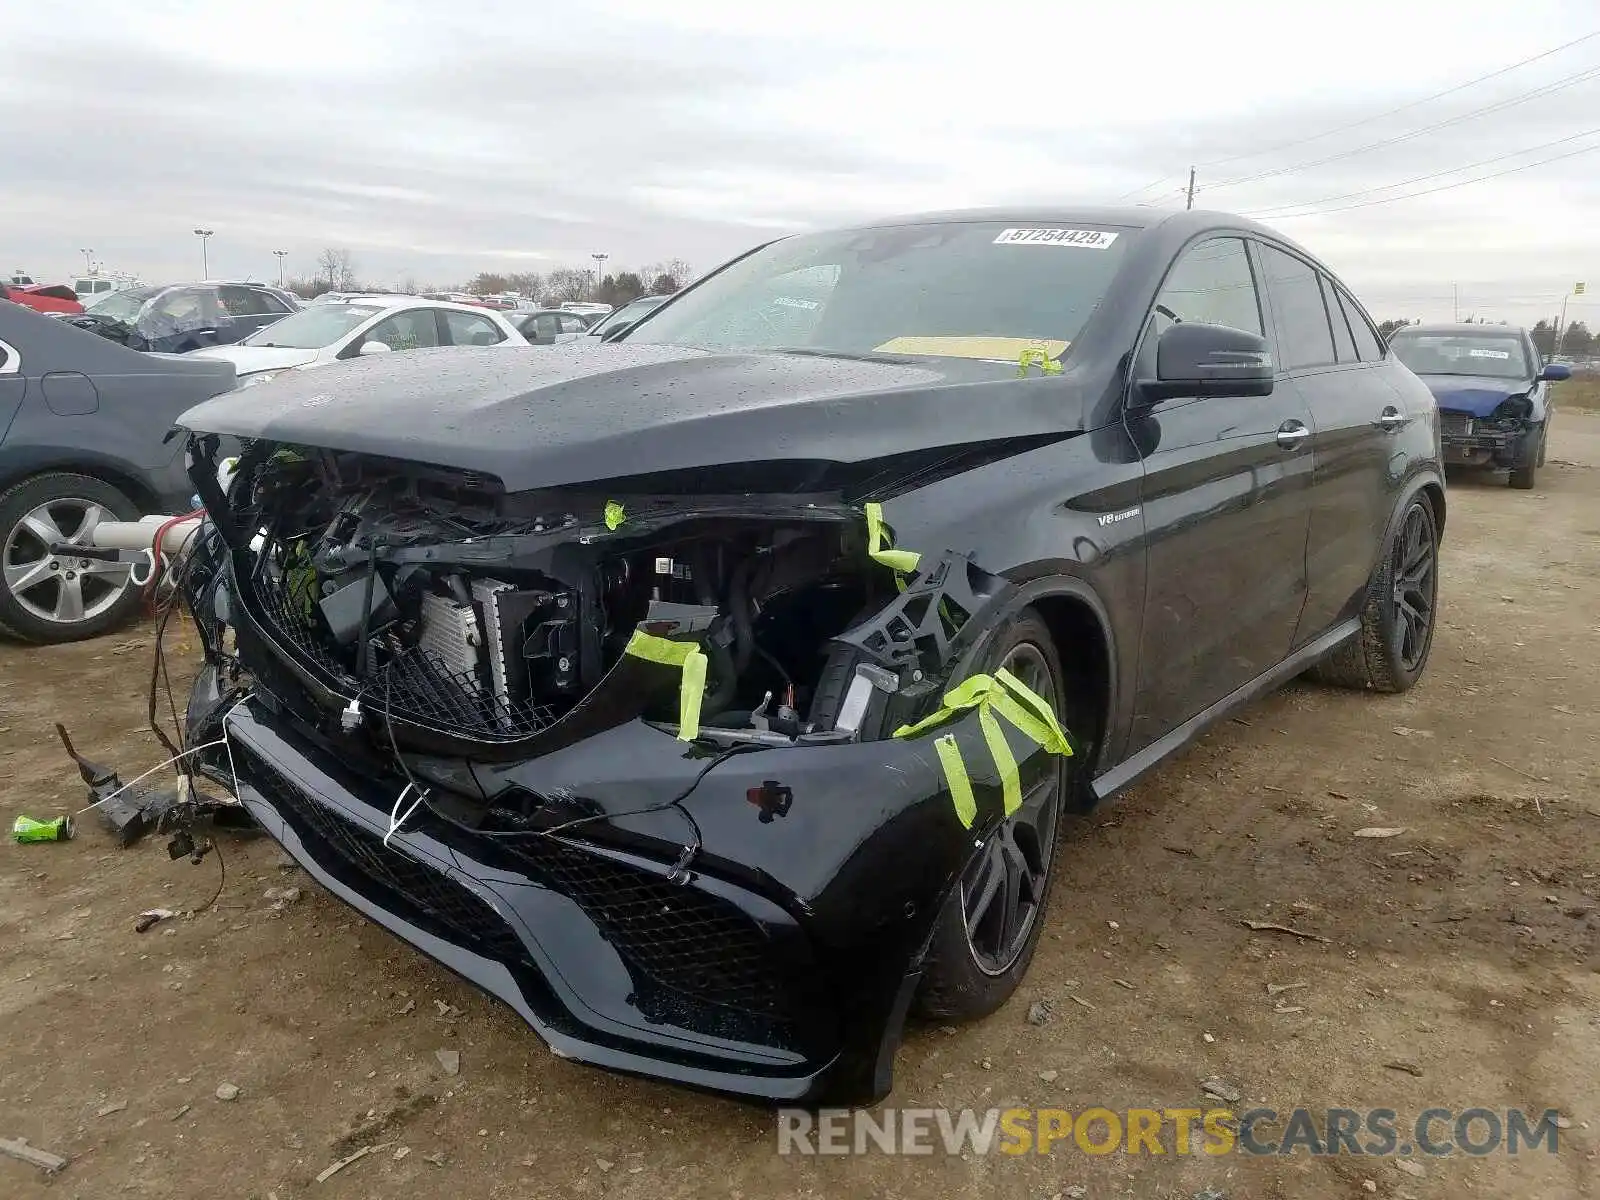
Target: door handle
x=1291, y=434
x=1391, y=418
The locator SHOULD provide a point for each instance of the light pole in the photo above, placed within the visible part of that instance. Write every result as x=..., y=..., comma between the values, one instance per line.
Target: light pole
x=205, y=264
x=88, y=264
x=281, y=255
x=599, y=270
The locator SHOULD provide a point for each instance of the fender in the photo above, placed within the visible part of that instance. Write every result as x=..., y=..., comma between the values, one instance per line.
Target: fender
x=1409, y=492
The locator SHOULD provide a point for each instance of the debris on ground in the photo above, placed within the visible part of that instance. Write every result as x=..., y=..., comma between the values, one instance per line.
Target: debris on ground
x=1380, y=831
x=604, y=1164
x=1049, y=1076
x=1277, y=989
x=1210, y=1193
x=1219, y=1089
x=183, y=1111
x=227, y=1091
x=408, y=1006
x=151, y=917
x=435, y=1159
x=18, y=1148
x=57, y=829
x=1082, y=1001
x=1410, y=1068
x=1415, y=1170
x=115, y=1106
x=448, y=1012
x=1039, y=1012
x=1207, y=1038
x=332, y=1169
x=281, y=897
x=400, y=1152
x=449, y=1061
x=1270, y=927
x=1123, y=983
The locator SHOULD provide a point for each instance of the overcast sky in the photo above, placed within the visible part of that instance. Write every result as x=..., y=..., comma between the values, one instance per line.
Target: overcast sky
x=435, y=141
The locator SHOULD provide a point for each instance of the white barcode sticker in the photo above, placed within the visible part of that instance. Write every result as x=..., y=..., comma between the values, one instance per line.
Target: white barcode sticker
x=1079, y=239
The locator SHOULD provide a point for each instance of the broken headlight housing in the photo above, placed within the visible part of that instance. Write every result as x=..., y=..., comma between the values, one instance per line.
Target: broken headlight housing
x=1511, y=412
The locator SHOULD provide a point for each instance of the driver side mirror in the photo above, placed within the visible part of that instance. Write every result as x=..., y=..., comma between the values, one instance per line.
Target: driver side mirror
x=1209, y=360
x=1555, y=372
x=373, y=348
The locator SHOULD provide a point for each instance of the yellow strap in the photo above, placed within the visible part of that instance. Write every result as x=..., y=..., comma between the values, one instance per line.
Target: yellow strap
x=614, y=514
x=1024, y=708
x=955, y=773
x=901, y=561
x=691, y=662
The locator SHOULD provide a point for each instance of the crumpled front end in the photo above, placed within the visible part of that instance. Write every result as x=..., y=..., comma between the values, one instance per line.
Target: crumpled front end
x=1503, y=439
x=625, y=762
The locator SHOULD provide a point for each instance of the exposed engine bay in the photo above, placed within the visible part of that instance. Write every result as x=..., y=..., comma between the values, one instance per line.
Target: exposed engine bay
x=461, y=611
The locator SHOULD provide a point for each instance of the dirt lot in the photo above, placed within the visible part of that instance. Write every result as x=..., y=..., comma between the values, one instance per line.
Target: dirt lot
x=1465, y=947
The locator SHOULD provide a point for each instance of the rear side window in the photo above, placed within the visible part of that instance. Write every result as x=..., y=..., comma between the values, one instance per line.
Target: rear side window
x=468, y=329
x=1304, y=337
x=1368, y=344
x=1343, y=343
x=248, y=302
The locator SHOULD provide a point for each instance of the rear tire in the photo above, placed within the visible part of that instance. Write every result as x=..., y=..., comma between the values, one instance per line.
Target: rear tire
x=47, y=598
x=975, y=961
x=1398, y=619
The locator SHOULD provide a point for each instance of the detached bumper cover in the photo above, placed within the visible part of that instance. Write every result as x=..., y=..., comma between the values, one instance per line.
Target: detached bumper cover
x=732, y=982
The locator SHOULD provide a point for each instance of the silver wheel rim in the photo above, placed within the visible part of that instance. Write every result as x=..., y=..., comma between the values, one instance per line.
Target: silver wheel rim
x=1003, y=888
x=63, y=589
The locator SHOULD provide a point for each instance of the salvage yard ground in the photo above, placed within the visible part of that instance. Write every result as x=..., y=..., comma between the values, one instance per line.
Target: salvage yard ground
x=1464, y=948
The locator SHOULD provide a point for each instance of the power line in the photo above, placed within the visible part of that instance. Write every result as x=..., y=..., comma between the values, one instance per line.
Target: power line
x=1286, y=209
x=1498, y=106
x=1369, y=120
x=1460, y=87
x=1444, y=187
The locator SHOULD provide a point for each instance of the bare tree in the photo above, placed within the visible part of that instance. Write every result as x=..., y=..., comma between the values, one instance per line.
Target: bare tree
x=567, y=284
x=528, y=283
x=338, y=268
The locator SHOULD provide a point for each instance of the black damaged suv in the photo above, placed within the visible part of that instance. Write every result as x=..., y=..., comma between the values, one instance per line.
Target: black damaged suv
x=713, y=696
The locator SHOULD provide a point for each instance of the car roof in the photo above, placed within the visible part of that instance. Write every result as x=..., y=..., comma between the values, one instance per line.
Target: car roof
x=1459, y=328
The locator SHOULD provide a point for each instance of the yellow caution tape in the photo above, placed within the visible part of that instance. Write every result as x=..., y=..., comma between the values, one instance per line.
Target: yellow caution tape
x=1024, y=708
x=614, y=514
x=1037, y=356
x=691, y=662
x=880, y=550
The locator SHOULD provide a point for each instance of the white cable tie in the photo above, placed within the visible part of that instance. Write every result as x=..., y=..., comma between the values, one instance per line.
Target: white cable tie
x=394, y=825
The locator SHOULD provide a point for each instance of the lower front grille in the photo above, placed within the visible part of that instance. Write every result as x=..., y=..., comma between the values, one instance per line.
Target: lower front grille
x=1455, y=425
x=356, y=856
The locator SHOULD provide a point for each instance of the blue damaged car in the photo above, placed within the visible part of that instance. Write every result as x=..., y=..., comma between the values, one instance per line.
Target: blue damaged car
x=1493, y=391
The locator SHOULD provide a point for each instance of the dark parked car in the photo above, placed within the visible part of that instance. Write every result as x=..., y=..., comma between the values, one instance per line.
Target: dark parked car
x=713, y=696
x=1493, y=390
x=178, y=318
x=542, y=326
x=81, y=428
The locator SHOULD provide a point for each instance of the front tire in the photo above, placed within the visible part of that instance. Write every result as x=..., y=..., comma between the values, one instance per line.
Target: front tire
x=1522, y=476
x=1398, y=618
x=48, y=598
x=985, y=935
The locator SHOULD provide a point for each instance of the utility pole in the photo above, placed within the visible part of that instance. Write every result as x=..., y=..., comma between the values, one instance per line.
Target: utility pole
x=1455, y=301
x=1190, y=201
x=281, y=254
x=599, y=270
x=205, y=263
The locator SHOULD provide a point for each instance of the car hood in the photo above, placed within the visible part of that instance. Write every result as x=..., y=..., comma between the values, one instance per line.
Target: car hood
x=247, y=360
x=579, y=413
x=1474, y=394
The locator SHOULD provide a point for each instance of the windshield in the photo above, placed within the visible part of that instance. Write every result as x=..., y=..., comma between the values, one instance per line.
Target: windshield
x=313, y=327
x=625, y=315
x=123, y=306
x=1496, y=355
x=980, y=290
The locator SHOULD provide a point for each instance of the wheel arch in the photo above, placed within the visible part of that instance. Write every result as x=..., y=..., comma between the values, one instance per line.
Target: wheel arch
x=126, y=480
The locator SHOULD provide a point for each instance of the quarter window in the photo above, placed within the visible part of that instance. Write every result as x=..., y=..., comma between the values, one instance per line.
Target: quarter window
x=1304, y=337
x=247, y=302
x=1368, y=344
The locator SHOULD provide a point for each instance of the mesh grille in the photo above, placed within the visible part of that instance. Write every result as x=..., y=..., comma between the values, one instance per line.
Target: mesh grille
x=1454, y=425
x=347, y=849
x=414, y=687
x=682, y=939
